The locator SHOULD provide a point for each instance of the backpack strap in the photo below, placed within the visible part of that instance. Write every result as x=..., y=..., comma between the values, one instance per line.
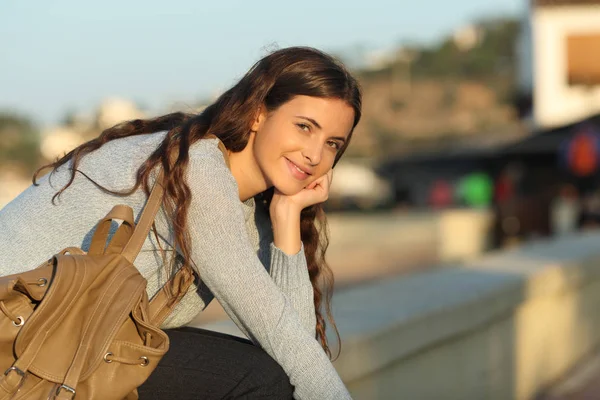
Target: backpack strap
x=120, y=238
x=163, y=303
x=133, y=247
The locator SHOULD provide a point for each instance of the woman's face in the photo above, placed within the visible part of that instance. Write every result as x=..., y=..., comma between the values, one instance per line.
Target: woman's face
x=298, y=143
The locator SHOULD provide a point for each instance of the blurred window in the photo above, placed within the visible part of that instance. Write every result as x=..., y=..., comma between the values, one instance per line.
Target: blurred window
x=583, y=60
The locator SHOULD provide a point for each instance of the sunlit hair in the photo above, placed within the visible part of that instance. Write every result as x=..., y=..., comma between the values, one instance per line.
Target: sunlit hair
x=271, y=82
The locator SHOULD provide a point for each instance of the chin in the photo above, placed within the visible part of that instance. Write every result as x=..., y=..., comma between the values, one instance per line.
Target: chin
x=288, y=188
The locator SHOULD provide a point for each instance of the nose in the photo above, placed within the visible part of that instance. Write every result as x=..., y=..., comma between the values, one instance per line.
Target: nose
x=313, y=152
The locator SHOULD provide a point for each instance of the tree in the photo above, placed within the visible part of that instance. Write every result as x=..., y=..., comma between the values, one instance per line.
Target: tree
x=19, y=141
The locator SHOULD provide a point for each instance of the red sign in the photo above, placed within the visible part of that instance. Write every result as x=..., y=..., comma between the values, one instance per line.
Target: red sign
x=582, y=153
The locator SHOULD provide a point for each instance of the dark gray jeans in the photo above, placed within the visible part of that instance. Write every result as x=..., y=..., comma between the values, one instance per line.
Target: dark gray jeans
x=205, y=365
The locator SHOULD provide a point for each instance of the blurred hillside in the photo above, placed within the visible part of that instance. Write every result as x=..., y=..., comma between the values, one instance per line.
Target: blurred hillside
x=19, y=154
x=458, y=92
x=19, y=143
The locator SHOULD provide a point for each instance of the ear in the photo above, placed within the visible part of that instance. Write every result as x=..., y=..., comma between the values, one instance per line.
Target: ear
x=261, y=115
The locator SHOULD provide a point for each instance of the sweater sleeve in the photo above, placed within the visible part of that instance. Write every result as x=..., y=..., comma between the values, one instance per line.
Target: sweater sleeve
x=290, y=274
x=228, y=265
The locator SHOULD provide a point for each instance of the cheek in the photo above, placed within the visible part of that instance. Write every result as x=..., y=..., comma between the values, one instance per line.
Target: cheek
x=263, y=144
x=267, y=156
x=269, y=141
x=328, y=159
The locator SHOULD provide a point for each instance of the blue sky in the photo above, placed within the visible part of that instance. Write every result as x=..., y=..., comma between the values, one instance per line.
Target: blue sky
x=60, y=55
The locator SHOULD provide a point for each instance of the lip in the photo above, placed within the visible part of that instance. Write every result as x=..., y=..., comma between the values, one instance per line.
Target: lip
x=300, y=175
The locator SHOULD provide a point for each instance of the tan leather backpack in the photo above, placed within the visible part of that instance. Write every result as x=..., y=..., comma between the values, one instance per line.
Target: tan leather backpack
x=81, y=325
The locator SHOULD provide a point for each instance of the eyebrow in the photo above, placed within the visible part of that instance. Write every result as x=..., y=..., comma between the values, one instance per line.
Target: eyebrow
x=315, y=123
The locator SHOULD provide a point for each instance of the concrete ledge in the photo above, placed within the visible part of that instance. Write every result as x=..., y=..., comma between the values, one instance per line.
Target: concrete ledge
x=501, y=327
x=463, y=233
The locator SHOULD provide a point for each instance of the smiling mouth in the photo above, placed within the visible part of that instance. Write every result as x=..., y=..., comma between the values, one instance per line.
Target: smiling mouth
x=296, y=171
x=300, y=169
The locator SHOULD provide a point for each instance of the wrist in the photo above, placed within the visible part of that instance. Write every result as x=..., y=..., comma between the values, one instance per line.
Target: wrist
x=285, y=220
x=284, y=210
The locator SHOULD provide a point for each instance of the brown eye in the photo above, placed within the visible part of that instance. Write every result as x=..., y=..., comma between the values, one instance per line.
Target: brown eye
x=334, y=145
x=304, y=127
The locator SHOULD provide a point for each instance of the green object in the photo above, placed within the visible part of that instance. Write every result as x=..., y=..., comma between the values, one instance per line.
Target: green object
x=476, y=190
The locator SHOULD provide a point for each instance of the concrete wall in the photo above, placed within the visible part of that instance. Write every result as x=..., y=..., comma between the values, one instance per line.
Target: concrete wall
x=499, y=328
x=463, y=234
x=503, y=327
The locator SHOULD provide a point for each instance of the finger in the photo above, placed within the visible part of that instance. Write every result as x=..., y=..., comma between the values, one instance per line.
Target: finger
x=323, y=186
x=325, y=180
x=312, y=185
x=321, y=181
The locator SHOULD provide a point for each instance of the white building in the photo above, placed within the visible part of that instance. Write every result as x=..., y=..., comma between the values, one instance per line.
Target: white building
x=115, y=110
x=467, y=37
x=560, y=60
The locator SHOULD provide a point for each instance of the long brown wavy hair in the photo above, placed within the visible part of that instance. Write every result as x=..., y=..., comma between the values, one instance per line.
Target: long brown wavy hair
x=271, y=82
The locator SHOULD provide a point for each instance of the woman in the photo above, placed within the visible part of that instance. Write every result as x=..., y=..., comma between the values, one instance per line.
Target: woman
x=252, y=233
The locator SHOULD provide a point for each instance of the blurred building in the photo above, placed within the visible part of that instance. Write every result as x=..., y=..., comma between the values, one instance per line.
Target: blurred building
x=58, y=140
x=558, y=61
x=379, y=58
x=559, y=96
x=115, y=110
x=357, y=186
x=468, y=36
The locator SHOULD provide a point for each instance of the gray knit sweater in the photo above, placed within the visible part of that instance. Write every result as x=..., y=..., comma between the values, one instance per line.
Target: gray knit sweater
x=265, y=292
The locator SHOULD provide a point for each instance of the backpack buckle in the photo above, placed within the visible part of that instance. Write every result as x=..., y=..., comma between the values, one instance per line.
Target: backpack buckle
x=19, y=372
x=66, y=388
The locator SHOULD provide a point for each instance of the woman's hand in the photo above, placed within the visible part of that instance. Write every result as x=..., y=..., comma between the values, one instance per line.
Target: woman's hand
x=316, y=192
x=285, y=212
